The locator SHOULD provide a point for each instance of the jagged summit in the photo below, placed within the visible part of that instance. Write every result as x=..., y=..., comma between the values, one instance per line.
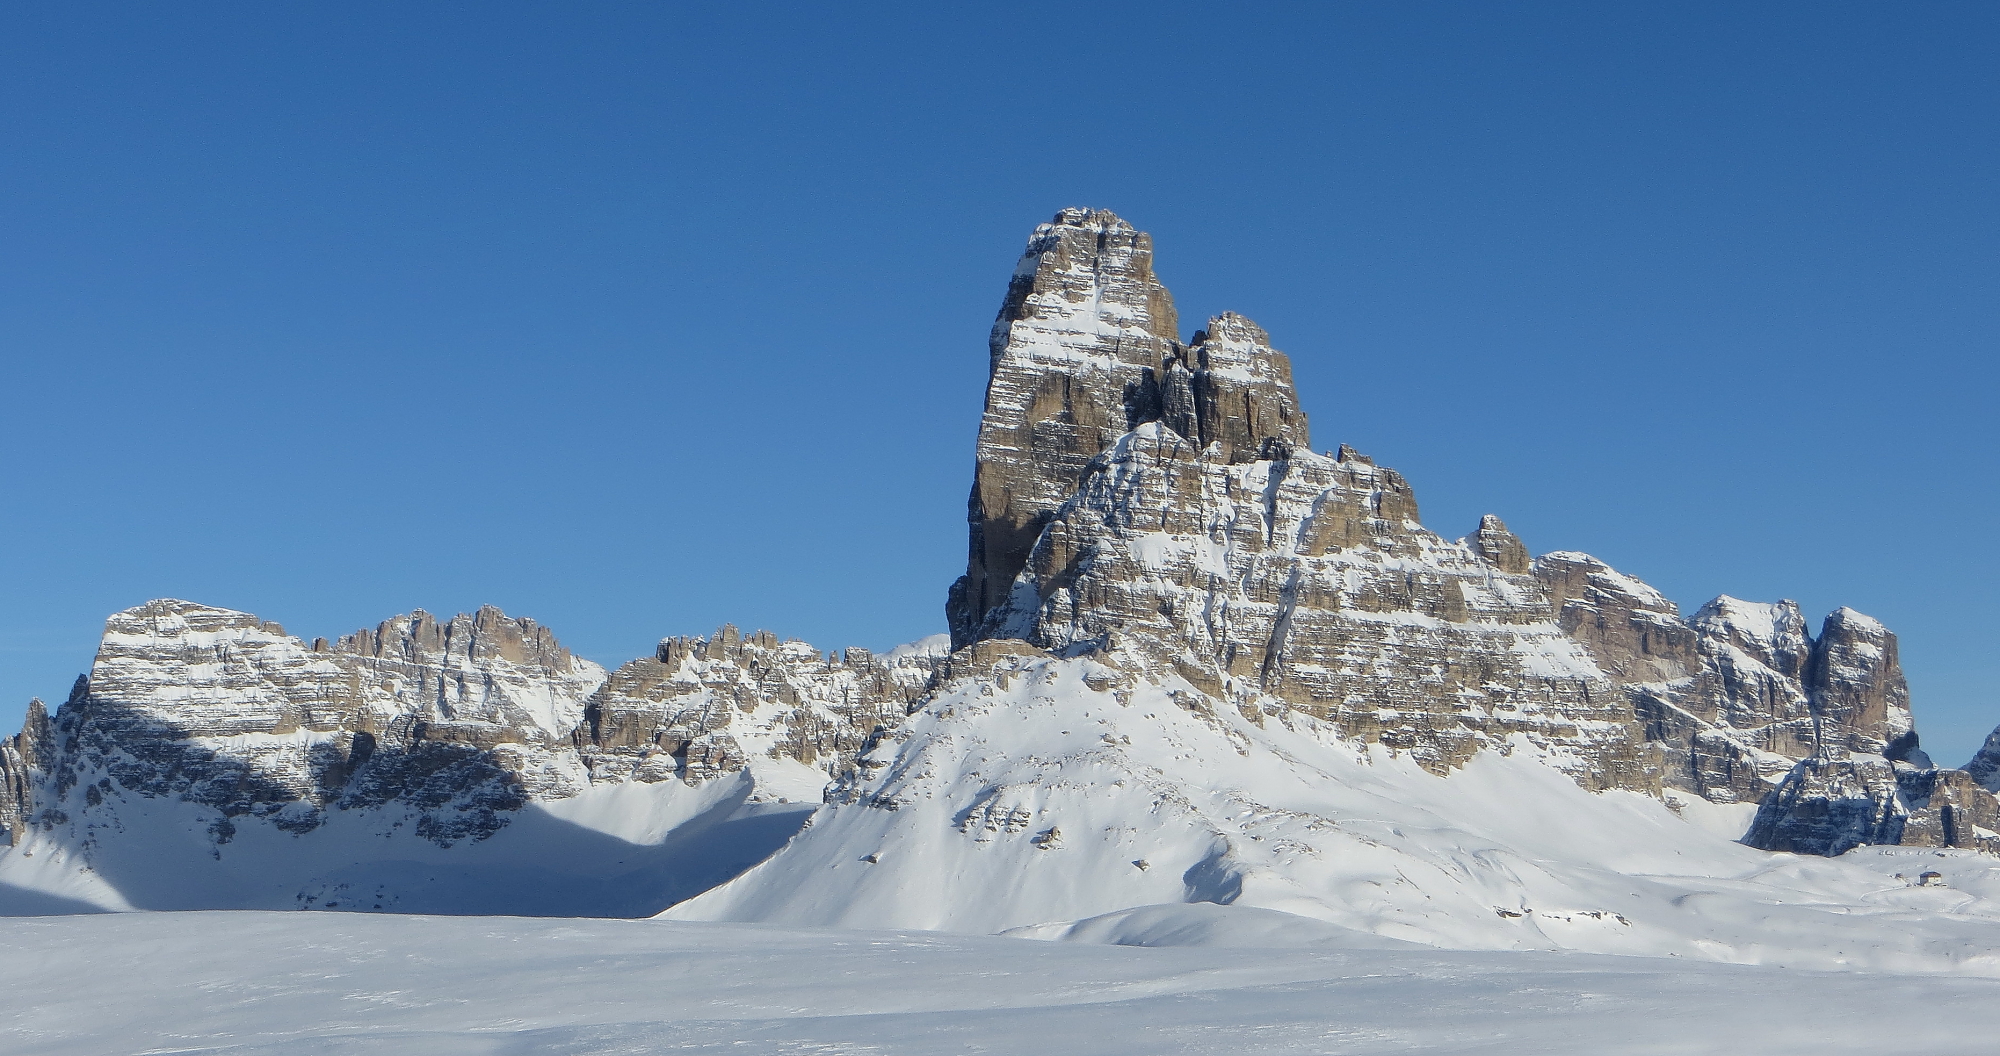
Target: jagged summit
x=1085, y=349
x=1496, y=544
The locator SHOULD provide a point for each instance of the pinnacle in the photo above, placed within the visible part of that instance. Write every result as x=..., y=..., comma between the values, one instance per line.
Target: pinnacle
x=1090, y=219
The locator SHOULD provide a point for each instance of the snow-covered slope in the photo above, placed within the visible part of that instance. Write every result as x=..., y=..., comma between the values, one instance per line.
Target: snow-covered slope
x=1058, y=789
x=266, y=984
x=212, y=761
x=613, y=850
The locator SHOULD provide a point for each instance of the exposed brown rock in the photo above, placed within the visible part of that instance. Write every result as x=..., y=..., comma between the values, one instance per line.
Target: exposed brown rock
x=702, y=706
x=1085, y=349
x=1860, y=699
x=1501, y=547
x=1307, y=581
x=22, y=758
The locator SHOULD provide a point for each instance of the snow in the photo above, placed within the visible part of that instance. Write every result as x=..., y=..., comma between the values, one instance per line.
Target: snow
x=625, y=849
x=1765, y=626
x=300, y=984
x=928, y=645
x=1860, y=621
x=1726, y=820
x=1035, y=799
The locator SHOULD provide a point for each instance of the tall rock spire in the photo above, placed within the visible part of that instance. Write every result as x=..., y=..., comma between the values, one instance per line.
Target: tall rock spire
x=1086, y=348
x=1081, y=338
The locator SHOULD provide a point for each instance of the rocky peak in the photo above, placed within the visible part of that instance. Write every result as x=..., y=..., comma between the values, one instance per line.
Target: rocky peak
x=701, y=707
x=1633, y=632
x=483, y=666
x=1985, y=764
x=1857, y=687
x=222, y=710
x=1243, y=396
x=1087, y=270
x=1079, y=351
x=21, y=757
x=488, y=634
x=1773, y=635
x=1210, y=542
x=1086, y=349
x=1496, y=544
x=1306, y=585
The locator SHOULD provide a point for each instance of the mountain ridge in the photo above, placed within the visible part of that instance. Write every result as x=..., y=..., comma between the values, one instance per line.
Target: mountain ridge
x=1149, y=533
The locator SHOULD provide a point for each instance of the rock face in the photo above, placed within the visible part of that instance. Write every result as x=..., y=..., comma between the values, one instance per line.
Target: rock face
x=1741, y=697
x=1306, y=582
x=1832, y=805
x=455, y=723
x=450, y=726
x=700, y=708
x=1085, y=349
x=22, y=756
x=1985, y=764
x=1209, y=544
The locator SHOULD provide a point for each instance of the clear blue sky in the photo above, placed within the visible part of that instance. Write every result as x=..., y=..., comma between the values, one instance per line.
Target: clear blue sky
x=636, y=319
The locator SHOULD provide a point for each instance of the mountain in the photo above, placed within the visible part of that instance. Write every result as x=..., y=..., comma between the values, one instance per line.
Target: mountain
x=1191, y=659
x=209, y=760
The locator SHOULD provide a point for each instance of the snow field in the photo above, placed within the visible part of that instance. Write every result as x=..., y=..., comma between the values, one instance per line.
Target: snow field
x=317, y=984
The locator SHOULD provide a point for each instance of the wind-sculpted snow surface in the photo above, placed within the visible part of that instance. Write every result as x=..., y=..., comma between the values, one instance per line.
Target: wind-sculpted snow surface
x=260, y=984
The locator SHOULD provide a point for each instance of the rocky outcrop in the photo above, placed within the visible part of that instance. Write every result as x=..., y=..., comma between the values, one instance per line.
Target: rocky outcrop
x=1209, y=545
x=702, y=707
x=1086, y=348
x=454, y=723
x=1739, y=693
x=499, y=686
x=1985, y=764
x=1859, y=699
x=22, y=758
x=1832, y=805
x=1633, y=632
x=1866, y=779
x=1307, y=582
x=1078, y=355
x=449, y=726
x=1244, y=404
x=1748, y=707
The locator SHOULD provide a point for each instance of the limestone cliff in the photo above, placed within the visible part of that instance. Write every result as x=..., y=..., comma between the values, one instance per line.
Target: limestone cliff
x=453, y=723
x=1210, y=544
x=702, y=707
x=1307, y=582
x=1085, y=349
x=447, y=725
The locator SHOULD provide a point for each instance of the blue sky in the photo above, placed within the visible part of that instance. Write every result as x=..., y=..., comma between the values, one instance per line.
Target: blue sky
x=639, y=319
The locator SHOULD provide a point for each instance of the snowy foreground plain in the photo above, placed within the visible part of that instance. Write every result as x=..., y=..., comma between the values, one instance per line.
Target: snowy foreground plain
x=307, y=983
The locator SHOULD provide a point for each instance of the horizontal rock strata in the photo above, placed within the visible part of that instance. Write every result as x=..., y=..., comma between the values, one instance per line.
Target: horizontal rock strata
x=1208, y=544
x=450, y=725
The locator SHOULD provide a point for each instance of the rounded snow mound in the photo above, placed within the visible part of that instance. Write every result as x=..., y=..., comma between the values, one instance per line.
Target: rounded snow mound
x=1208, y=924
